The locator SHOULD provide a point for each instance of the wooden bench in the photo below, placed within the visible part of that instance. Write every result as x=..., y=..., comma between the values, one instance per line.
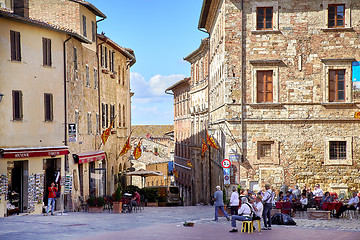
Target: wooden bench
x=316, y=214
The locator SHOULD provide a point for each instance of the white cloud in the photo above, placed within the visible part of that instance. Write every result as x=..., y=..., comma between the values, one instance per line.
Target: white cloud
x=155, y=87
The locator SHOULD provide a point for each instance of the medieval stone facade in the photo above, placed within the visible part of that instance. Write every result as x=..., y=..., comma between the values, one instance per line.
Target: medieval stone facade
x=283, y=90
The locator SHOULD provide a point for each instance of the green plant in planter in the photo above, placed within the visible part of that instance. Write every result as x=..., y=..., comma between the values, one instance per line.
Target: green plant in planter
x=94, y=201
x=118, y=194
x=151, y=194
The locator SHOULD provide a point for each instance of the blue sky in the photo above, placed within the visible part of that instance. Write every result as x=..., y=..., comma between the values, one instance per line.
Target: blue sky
x=162, y=33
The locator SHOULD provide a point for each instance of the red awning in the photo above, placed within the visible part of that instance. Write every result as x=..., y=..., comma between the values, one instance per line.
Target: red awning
x=34, y=152
x=89, y=156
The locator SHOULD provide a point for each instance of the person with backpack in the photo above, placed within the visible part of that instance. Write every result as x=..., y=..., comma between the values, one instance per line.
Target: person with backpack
x=267, y=200
x=245, y=213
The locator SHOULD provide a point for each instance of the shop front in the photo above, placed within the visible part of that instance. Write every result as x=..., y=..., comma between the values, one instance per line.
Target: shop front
x=25, y=174
x=94, y=163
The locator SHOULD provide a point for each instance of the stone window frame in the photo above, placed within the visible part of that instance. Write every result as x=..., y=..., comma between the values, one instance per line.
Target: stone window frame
x=337, y=64
x=274, y=158
x=349, y=154
x=275, y=6
x=265, y=66
x=347, y=23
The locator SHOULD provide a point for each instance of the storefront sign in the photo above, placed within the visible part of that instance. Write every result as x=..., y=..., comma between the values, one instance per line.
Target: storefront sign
x=72, y=132
x=34, y=152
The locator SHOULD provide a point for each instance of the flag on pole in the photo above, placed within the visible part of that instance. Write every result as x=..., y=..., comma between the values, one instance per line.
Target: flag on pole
x=210, y=141
x=204, y=147
x=126, y=147
x=189, y=163
x=137, y=151
x=105, y=135
x=175, y=173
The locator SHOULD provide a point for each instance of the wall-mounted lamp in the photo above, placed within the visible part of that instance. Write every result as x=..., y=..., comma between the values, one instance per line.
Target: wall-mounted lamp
x=1, y=97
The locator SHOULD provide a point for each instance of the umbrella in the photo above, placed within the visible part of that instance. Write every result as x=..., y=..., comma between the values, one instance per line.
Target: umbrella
x=144, y=174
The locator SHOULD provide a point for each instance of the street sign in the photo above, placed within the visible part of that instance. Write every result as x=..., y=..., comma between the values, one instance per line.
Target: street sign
x=226, y=163
x=226, y=176
x=72, y=132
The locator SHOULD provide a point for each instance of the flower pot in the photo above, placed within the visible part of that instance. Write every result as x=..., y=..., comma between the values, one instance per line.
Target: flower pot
x=117, y=207
x=96, y=209
x=152, y=204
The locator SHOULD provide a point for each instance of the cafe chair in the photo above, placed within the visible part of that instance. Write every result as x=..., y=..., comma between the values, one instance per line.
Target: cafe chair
x=247, y=226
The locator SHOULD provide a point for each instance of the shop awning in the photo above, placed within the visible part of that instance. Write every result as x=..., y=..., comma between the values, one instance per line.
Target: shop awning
x=89, y=156
x=34, y=152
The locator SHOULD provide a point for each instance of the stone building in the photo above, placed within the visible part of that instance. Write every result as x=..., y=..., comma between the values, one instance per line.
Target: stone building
x=33, y=147
x=157, y=148
x=283, y=90
x=115, y=62
x=182, y=135
x=198, y=108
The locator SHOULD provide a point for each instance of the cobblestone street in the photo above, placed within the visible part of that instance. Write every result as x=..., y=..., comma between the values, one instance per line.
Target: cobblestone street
x=163, y=223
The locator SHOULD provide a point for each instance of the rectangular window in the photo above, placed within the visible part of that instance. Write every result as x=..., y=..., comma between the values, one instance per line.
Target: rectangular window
x=107, y=115
x=89, y=124
x=264, y=86
x=87, y=75
x=97, y=123
x=95, y=78
x=119, y=115
x=106, y=57
x=336, y=15
x=337, y=85
x=103, y=115
x=15, y=46
x=112, y=113
x=264, y=18
x=84, y=26
x=48, y=107
x=93, y=27
x=265, y=150
x=112, y=60
x=46, y=52
x=17, y=105
x=102, y=55
x=124, y=116
x=337, y=150
x=75, y=59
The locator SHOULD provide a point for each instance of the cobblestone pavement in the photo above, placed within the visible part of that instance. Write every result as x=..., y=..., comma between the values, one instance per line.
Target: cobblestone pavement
x=162, y=223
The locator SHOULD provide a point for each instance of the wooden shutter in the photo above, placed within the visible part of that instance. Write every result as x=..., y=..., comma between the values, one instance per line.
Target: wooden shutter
x=332, y=86
x=264, y=86
x=12, y=45
x=17, y=105
x=48, y=106
x=124, y=116
x=84, y=25
x=106, y=58
x=48, y=52
x=75, y=58
x=44, y=51
x=107, y=114
x=103, y=115
x=102, y=55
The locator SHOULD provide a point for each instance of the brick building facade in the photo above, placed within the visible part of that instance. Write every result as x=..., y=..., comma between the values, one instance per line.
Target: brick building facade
x=283, y=90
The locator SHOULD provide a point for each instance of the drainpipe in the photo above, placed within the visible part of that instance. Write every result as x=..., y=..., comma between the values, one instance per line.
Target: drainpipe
x=242, y=87
x=65, y=104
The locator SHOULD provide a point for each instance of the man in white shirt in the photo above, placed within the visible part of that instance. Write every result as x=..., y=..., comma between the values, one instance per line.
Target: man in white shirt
x=318, y=192
x=352, y=204
x=245, y=212
x=234, y=201
x=258, y=207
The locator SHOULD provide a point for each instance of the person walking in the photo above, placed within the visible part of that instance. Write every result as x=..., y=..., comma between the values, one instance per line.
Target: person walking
x=234, y=201
x=51, y=198
x=268, y=199
x=219, y=204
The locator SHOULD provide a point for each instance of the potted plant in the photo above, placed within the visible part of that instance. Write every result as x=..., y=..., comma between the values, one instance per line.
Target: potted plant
x=96, y=204
x=117, y=205
x=151, y=197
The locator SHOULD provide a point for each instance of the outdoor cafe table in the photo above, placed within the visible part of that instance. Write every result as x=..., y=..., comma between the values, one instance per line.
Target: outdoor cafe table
x=330, y=206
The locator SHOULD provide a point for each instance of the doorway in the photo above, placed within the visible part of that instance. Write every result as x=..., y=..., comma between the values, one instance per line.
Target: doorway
x=52, y=169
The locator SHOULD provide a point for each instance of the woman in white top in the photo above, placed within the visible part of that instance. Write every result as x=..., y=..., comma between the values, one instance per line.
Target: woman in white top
x=245, y=213
x=234, y=201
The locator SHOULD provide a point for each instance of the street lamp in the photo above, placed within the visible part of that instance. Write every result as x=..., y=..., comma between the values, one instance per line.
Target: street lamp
x=1, y=97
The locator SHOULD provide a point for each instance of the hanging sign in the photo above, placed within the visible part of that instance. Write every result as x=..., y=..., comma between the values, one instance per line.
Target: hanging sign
x=72, y=132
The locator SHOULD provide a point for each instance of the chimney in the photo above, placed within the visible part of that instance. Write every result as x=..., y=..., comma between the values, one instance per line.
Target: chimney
x=21, y=8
